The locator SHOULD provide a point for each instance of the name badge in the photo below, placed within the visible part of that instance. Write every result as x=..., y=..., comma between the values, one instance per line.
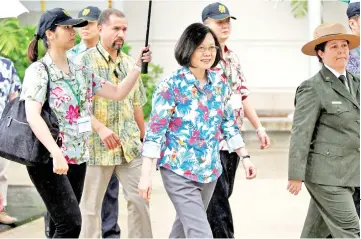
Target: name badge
x=84, y=125
x=336, y=102
x=236, y=101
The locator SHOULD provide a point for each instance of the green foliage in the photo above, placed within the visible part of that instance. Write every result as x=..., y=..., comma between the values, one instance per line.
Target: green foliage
x=14, y=41
x=150, y=80
x=299, y=8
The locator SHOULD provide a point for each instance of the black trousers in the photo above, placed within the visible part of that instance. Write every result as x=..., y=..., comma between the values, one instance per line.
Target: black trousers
x=219, y=210
x=61, y=195
x=110, y=227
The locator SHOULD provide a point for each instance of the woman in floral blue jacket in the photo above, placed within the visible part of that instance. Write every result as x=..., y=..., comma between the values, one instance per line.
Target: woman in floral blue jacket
x=191, y=108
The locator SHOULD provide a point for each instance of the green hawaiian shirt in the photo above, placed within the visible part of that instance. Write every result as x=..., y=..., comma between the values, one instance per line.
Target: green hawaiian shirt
x=76, y=50
x=68, y=105
x=116, y=115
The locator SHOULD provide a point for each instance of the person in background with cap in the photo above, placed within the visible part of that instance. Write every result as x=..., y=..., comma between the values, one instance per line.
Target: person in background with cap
x=60, y=183
x=353, y=14
x=90, y=37
x=10, y=86
x=118, y=126
x=89, y=34
x=353, y=66
x=325, y=138
x=217, y=17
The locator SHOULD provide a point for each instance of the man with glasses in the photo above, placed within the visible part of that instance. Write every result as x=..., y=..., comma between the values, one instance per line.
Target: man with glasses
x=118, y=126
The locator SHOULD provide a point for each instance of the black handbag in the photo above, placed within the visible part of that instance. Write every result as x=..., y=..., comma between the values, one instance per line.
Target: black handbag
x=18, y=143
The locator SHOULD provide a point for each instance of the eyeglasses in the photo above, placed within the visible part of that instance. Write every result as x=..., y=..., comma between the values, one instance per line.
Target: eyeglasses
x=210, y=49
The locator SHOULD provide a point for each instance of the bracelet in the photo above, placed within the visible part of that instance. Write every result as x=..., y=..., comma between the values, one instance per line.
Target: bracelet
x=260, y=129
x=137, y=68
x=245, y=157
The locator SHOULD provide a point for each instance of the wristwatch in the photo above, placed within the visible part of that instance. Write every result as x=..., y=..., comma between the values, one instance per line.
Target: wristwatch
x=245, y=157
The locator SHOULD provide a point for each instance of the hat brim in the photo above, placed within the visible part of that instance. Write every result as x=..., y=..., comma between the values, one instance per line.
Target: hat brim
x=309, y=48
x=74, y=22
x=222, y=17
x=89, y=19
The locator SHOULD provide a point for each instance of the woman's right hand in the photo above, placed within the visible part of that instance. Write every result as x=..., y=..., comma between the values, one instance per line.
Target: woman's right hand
x=60, y=166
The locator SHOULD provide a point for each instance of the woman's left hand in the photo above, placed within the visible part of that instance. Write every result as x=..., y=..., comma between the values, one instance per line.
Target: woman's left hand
x=250, y=169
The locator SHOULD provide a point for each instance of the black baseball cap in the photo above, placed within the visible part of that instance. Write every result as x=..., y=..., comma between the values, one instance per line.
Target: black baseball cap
x=90, y=14
x=353, y=9
x=57, y=17
x=217, y=11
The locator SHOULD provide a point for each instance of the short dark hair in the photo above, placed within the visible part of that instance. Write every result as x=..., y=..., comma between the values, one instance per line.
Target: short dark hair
x=190, y=39
x=105, y=15
x=320, y=47
x=355, y=18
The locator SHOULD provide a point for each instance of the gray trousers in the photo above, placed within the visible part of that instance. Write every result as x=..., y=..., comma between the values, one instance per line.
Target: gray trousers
x=331, y=211
x=190, y=200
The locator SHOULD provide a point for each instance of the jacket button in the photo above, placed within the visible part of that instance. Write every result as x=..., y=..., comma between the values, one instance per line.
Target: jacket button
x=327, y=152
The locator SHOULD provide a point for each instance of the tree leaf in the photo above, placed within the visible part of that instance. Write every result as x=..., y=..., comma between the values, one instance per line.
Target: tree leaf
x=299, y=8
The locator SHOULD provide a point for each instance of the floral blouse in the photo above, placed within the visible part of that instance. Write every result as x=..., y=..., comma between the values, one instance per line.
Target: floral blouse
x=186, y=123
x=9, y=81
x=353, y=65
x=232, y=73
x=70, y=99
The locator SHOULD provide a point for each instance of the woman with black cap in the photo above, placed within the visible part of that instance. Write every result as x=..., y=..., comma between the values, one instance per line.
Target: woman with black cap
x=60, y=183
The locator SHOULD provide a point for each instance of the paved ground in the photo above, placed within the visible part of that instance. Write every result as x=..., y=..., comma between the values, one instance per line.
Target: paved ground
x=261, y=207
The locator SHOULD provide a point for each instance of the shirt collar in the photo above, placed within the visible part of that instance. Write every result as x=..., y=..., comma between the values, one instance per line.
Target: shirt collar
x=335, y=72
x=82, y=47
x=55, y=72
x=191, y=79
x=106, y=54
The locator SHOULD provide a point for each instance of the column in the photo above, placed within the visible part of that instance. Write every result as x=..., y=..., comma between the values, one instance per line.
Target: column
x=314, y=19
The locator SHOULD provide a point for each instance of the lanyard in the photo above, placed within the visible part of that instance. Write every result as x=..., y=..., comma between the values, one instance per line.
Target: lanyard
x=115, y=71
x=77, y=96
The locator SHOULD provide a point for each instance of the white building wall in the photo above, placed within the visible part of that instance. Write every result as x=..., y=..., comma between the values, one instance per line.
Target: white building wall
x=266, y=37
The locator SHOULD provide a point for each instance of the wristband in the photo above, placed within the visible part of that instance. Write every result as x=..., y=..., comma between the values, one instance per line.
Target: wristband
x=260, y=128
x=137, y=68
